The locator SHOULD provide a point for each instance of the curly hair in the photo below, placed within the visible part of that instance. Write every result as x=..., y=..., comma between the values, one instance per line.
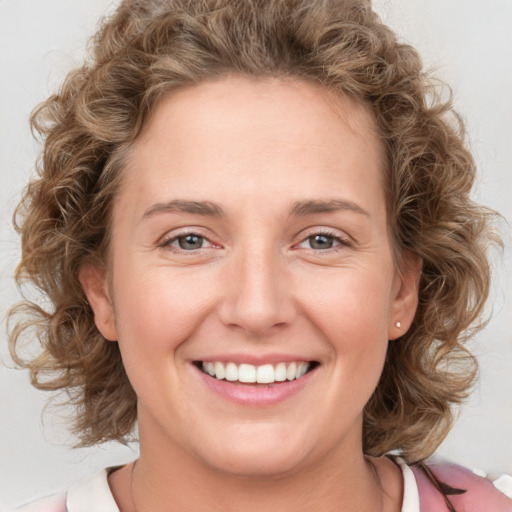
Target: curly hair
x=149, y=48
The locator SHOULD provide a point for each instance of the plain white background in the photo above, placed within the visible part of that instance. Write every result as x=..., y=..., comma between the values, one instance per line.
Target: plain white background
x=469, y=42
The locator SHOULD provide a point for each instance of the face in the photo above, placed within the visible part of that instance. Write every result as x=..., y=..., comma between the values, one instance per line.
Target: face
x=252, y=288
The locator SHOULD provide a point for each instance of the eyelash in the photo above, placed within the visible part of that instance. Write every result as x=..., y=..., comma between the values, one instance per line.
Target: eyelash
x=167, y=243
x=341, y=243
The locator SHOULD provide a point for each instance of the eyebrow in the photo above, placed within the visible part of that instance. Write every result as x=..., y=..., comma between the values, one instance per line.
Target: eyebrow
x=179, y=205
x=297, y=209
x=303, y=208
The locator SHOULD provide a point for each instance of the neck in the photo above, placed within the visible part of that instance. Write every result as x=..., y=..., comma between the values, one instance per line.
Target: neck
x=171, y=479
x=187, y=488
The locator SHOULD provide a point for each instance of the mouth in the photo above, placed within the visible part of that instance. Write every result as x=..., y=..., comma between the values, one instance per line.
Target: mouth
x=250, y=374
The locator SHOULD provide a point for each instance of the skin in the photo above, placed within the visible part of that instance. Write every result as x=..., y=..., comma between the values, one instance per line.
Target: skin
x=258, y=286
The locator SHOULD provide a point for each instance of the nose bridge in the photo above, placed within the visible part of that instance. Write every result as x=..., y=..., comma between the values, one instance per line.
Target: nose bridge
x=258, y=297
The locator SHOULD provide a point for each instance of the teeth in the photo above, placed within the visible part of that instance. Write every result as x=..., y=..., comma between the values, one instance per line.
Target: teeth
x=280, y=372
x=231, y=372
x=210, y=368
x=302, y=369
x=265, y=374
x=220, y=372
x=248, y=373
x=291, y=372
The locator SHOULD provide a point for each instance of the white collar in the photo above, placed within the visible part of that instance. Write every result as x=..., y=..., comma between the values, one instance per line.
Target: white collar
x=93, y=494
x=411, y=499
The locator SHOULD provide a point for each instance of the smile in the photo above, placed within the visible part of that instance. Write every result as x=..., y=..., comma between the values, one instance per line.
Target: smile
x=251, y=374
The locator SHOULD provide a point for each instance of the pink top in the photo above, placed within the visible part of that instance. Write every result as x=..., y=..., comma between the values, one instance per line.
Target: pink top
x=480, y=496
x=93, y=495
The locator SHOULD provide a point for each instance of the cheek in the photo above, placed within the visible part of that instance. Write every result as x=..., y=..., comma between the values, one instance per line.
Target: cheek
x=159, y=309
x=352, y=316
x=350, y=305
x=155, y=315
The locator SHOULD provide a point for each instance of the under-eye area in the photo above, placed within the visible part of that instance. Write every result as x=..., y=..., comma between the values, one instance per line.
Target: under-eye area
x=251, y=374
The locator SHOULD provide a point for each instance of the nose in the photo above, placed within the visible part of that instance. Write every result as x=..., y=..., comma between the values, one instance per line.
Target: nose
x=257, y=297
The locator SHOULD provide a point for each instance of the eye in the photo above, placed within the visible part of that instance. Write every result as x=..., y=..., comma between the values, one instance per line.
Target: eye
x=187, y=242
x=322, y=242
x=190, y=242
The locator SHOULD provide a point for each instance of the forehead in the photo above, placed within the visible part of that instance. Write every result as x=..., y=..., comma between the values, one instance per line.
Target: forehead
x=269, y=135
x=256, y=101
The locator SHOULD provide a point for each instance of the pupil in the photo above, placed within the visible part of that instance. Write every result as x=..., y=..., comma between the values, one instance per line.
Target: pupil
x=321, y=242
x=190, y=242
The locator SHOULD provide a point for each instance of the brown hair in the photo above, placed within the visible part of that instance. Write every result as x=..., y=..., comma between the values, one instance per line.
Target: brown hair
x=148, y=49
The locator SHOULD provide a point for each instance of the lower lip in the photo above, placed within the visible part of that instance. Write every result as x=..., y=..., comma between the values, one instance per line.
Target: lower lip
x=256, y=395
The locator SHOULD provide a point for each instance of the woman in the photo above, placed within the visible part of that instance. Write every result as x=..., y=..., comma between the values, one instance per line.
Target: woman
x=253, y=223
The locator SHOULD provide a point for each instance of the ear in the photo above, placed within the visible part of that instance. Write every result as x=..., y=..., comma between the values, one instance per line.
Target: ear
x=405, y=295
x=95, y=285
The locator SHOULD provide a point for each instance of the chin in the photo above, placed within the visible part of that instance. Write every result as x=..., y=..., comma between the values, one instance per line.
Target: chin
x=263, y=465
x=260, y=455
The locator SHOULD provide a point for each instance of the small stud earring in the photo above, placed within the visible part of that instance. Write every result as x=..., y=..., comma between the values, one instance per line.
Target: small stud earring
x=398, y=325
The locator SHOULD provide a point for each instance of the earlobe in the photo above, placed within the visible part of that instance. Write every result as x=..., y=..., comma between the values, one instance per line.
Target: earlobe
x=95, y=286
x=405, y=301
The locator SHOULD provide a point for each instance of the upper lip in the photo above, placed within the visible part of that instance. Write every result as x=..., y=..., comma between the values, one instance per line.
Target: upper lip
x=255, y=359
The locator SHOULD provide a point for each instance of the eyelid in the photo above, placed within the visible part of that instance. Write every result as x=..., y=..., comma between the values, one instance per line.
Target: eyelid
x=343, y=239
x=170, y=237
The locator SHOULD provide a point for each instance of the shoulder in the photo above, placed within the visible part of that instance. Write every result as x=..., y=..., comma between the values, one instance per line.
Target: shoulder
x=480, y=493
x=86, y=496
x=55, y=503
